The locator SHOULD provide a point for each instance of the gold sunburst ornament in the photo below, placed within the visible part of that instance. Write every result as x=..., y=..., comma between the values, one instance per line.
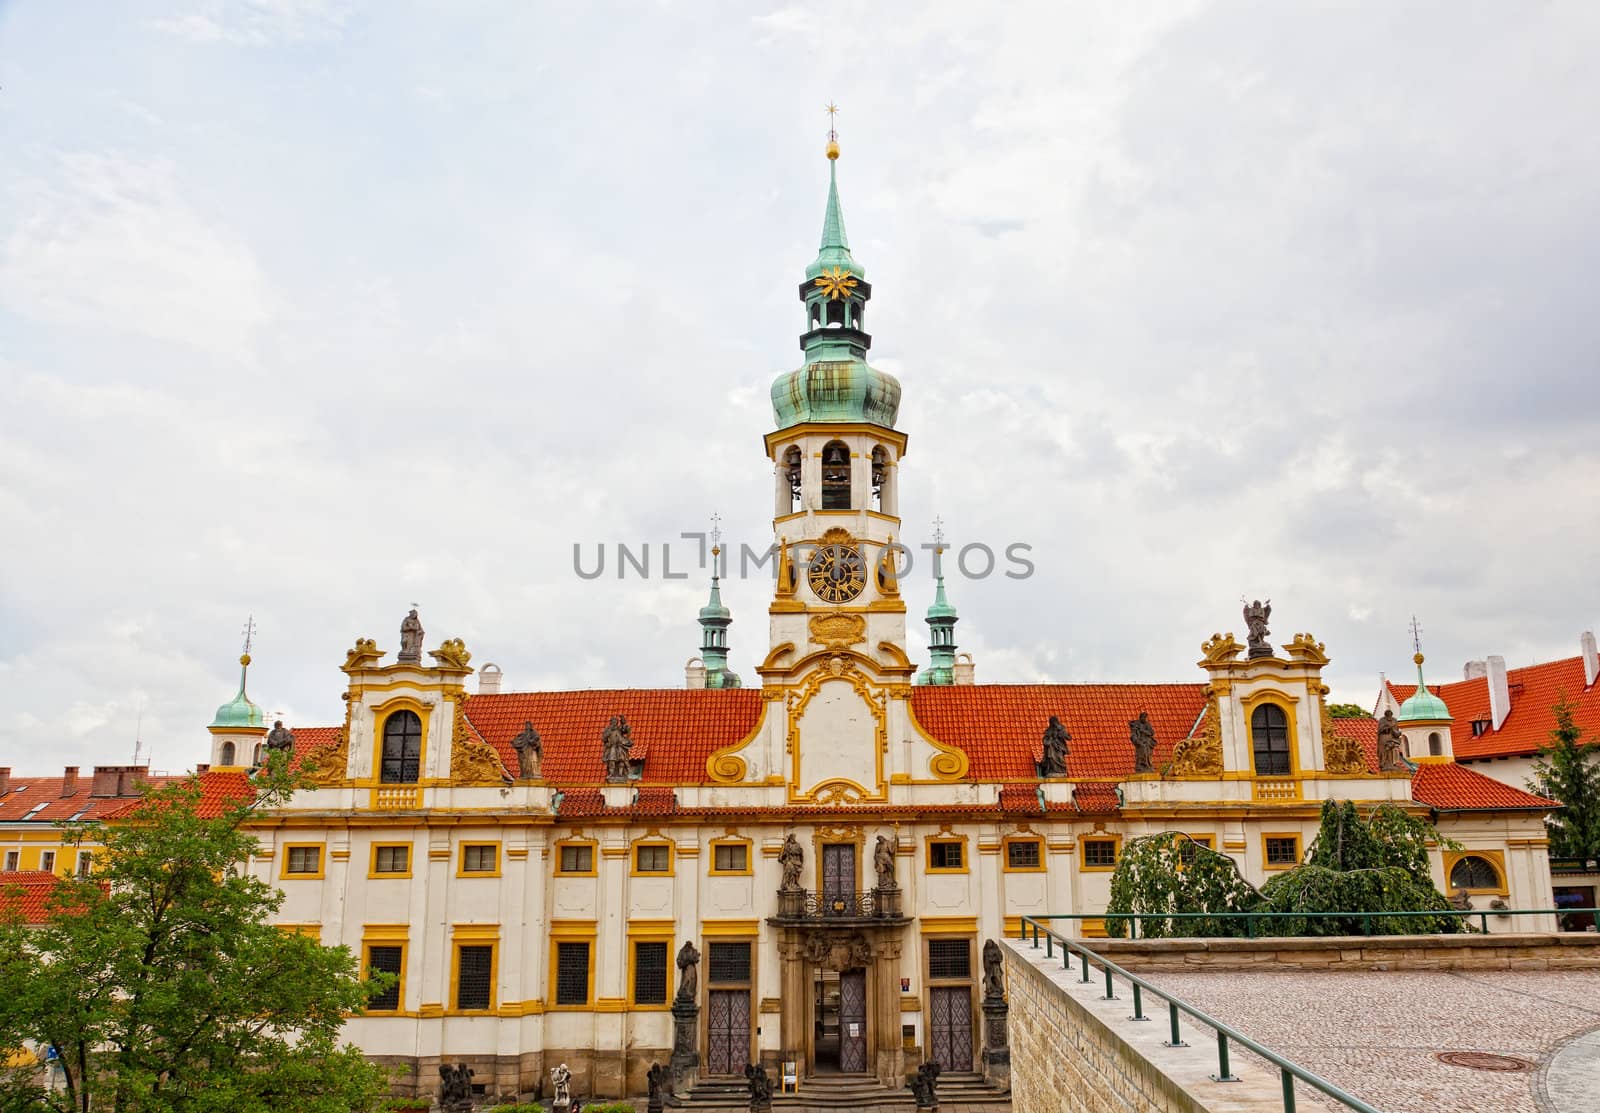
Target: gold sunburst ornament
x=836, y=283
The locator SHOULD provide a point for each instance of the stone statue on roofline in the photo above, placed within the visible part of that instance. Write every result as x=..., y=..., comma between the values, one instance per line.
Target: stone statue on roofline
x=616, y=743
x=280, y=737
x=530, y=752
x=1054, y=744
x=1391, y=743
x=410, y=639
x=1255, y=617
x=1142, y=734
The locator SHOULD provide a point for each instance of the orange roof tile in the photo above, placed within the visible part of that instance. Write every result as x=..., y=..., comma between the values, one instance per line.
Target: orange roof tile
x=27, y=892
x=999, y=726
x=674, y=729
x=1451, y=788
x=1020, y=798
x=1534, y=690
x=22, y=802
x=1363, y=731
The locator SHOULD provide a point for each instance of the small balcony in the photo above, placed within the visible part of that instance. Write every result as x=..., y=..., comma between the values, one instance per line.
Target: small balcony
x=838, y=907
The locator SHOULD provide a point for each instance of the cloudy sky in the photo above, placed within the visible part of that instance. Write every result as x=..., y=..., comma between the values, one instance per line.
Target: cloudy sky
x=312, y=310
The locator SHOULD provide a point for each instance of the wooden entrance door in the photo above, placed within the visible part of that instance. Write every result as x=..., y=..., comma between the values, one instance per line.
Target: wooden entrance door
x=728, y=1031
x=853, y=1022
x=950, y=1027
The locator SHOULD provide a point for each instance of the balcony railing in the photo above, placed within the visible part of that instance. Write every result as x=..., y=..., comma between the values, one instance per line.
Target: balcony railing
x=828, y=905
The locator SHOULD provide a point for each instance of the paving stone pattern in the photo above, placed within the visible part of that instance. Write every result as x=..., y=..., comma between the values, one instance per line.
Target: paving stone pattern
x=1375, y=1034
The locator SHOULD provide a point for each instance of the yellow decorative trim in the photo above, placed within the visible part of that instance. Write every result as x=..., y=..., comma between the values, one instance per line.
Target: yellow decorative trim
x=328, y=766
x=1339, y=754
x=613, y=852
x=467, y=938
x=1092, y=929
x=517, y=853
x=616, y=1005
x=386, y=935
x=1274, y=787
x=431, y=1010
x=723, y=929
x=749, y=857
x=1305, y=649
x=472, y=761
x=950, y=763
x=372, y=861
x=1219, y=649
x=592, y=844
x=651, y=841
x=1013, y=926
x=837, y=631
x=911, y=1004
x=451, y=656
x=725, y=766
x=1005, y=847
x=1200, y=755
x=930, y=841
x=838, y=791
x=365, y=654
x=948, y=925
x=1496, y=858
x=570, y=934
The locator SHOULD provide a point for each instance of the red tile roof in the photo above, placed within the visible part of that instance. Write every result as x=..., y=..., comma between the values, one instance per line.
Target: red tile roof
x=1096, y=799
x=1534, y=690
x=999, y=725
x=307, y=739
x=27, y=892
x=1451, y=787
x=1020, y=798
x=1363, y=731
x=674, y=729
x=27, y=793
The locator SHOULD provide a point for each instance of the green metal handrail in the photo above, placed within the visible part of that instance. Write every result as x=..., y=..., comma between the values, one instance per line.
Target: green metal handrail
x=1250, y=918
x=1289, y=1072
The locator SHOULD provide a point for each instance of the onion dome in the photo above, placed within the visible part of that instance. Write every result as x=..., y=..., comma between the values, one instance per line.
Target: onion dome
x=240, y=711
x=1423, y=706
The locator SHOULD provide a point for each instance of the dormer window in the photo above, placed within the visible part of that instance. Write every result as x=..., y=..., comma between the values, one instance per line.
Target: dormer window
x=836, y=476
x=1480, y=727
x=1269, y=733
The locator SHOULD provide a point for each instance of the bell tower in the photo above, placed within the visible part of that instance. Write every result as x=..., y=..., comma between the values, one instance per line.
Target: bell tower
x=835, y=455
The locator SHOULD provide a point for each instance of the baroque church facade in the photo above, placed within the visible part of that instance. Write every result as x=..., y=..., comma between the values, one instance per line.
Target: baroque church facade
x=800, y=866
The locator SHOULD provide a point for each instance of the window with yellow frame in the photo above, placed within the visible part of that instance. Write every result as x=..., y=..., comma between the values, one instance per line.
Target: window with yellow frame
x=947, y=854
x=474, y=969
x=1189, y=846
x=731, y=857
x=478, y=859
x=1280, y=850
x=650, y=966
x=390, y=860
x=571, y=965
x=384, y=951
x=1022, y=854
x=1477, y=871
x=576, y=857
x=303, y=861
x=651, y=858
x=1099, y=853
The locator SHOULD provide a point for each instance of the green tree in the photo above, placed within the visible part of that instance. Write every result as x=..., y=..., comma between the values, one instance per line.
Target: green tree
x=1346, y=711
x=1569, y=771
x=165, y=986
x=1374, y=864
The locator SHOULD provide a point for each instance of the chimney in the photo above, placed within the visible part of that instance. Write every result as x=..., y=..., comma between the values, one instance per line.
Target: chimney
x=104, y=782
x=1474, y=670
x=694, y=673
x=69, y=781
x=1499, y=691
x=5, y=779
x=202, y=767
x=489, y=680
x=964, y=669
x=1591, y=657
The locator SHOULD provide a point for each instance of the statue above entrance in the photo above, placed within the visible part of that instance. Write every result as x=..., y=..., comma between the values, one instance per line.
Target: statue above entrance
x=883, y=862
x=793, y=859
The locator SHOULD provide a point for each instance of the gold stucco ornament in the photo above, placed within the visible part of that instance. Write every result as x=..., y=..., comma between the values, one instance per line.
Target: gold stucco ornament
x=836, y=282
x=1200, y=755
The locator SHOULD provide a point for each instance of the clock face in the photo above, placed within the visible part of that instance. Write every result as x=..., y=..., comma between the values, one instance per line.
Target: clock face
x=836, y=574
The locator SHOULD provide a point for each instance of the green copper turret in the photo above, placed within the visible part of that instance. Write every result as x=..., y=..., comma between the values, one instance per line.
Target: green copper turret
x=942, y=621
x=714, y=622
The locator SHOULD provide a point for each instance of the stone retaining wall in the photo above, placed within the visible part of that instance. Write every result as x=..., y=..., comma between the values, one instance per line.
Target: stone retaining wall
x=1534, y=951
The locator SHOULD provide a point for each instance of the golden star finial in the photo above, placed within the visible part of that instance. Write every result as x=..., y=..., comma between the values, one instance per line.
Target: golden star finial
x=833, y=134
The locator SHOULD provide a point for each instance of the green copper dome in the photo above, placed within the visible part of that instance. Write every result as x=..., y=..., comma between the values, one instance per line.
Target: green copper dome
x=836, y=390
x=240, y=711
x=1423, y=706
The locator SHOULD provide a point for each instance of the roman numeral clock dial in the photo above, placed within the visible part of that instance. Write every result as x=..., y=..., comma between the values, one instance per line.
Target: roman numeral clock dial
x=836, y=574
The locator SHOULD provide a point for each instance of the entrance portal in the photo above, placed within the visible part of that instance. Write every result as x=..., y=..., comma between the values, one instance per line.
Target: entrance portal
x=839, y=1009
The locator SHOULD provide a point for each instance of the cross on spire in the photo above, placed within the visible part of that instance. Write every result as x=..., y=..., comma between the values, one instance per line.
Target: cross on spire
x=249, y=633
x=1416, y=635
x=833, y=113
x=938, y=534
x=716, y=536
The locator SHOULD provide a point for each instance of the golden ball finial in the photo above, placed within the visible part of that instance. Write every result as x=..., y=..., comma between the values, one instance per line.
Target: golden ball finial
x=244, y=659
x=833, y=149
x=1417, y=660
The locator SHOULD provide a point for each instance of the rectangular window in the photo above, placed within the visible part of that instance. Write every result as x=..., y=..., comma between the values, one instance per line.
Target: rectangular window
x=391, y=859
x=730, y=857
x=576, y=859
x=475, y=976
x=85, y=863
x=1023, y=854
x=479, y=858
x=652, y=859
x=947, y=855
x=949, y=958
x=572, y=973
x=1099, y=854
x=1188, y=848
x=650, y=973
x=1283, y=850
x=303, y=859
x=386, y=959
x=47, y=861
x=728, y=962
x=11, y=861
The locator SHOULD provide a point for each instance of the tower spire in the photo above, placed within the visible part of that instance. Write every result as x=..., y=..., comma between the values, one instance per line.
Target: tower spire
x=941, y=620
x=1423, y=705
x=715, y=620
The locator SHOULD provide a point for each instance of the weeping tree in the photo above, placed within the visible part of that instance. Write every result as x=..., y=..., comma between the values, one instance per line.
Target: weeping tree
x=1356, y=864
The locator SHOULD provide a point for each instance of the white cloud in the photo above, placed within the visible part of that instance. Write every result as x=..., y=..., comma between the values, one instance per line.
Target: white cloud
x=257, y=22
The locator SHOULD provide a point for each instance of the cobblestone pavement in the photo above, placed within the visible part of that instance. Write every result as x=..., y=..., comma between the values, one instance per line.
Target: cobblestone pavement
x=1375, y=1034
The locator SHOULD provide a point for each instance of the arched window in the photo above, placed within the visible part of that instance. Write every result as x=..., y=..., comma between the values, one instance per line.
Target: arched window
x=402, y=749
x=256, y=760
x=880, y=467
x=226, y=753
x=1473, y=871
x=1269, y=730
x=1435, y=744
x=792, y=475
x=835, y=476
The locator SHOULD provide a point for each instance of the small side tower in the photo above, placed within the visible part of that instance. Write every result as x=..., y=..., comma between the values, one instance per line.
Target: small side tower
x=240, y=726
x=1424, y=718
x=714, y=622
x=942, y=619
